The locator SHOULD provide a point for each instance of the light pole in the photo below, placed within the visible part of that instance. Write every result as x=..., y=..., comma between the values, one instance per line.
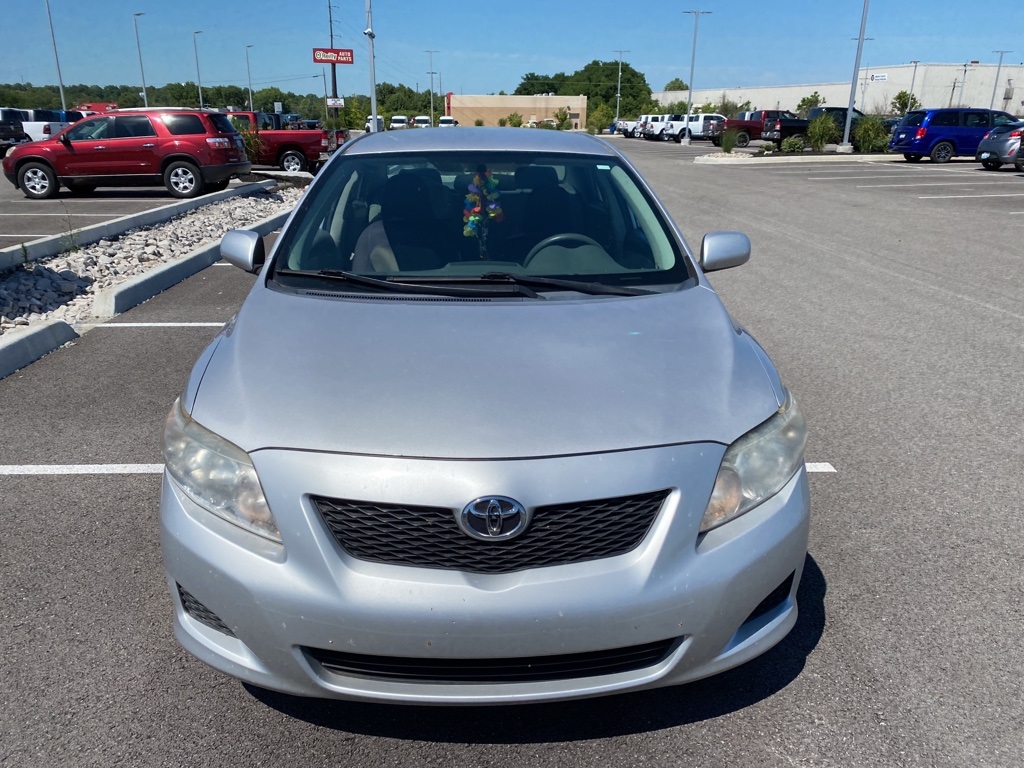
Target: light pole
x=846, y=147
x=963, y=82
x=618, y=87
x=199, y=78
x=864, y=82
x=248, y=74
x=431, y=73
x=693, y=59
x=60, y=80
x=135, y=21
x=995, y=85
x=913, y=77
x=373, y=75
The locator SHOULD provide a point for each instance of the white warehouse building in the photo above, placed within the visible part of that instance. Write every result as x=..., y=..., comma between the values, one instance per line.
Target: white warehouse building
x=934, y=85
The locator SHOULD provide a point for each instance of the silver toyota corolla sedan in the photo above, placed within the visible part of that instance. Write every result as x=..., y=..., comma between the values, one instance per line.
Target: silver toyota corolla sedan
x=482, y=433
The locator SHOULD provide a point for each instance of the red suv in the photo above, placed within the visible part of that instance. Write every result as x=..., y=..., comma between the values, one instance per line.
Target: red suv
x=189, y=151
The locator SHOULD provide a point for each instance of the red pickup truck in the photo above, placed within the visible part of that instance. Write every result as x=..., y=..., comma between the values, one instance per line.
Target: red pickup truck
x=290, y=149
x=748, y=125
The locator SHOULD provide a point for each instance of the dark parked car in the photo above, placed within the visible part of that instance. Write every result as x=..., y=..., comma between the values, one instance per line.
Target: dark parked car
x=942, y=134
x=1001, y=145
x=11, y=129
x=187, y=150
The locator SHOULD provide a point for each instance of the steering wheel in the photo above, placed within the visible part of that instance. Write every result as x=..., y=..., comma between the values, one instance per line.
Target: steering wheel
x=573, y=237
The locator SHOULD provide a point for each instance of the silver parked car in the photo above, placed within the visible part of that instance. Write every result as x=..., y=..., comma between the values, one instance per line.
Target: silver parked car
x=482, y=432
x=1001, y=146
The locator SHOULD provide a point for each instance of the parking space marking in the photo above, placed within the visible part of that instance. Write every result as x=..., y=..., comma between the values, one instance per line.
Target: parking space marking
x=992, y=182
x=62, y=213
x=953, y=197
x=156, y=469
x=160, y=325
x=81, y=469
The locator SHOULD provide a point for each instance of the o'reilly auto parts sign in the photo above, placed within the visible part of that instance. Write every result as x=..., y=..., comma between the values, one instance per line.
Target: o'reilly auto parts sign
x=332, y=55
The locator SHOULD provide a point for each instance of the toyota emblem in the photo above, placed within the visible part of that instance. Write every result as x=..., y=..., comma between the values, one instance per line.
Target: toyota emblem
x=493, y=518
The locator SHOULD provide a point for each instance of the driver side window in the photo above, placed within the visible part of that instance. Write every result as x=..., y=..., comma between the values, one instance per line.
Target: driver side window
x=90, y=130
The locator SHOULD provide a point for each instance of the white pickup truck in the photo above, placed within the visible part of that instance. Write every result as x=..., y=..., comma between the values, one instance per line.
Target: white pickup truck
x=700, y=124
x=44, y=123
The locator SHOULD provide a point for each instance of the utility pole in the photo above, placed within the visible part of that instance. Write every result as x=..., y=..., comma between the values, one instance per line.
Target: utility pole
x=995, y=86
x=60, y=80
x=846, y=146
x=431, y=73
x=199, y=78
x=334, y=67
x=913, y=77
x=693, y=59
x=618, y=87
x=373, y=75
x=135, y=21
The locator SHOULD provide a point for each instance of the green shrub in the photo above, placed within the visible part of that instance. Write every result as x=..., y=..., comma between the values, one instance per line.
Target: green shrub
x=793, y=144
x=768, y=147
x=515, y=120
x=502, y=121
x=870, y=135
x=823, y=130
x=478, y=122
x=729, y=139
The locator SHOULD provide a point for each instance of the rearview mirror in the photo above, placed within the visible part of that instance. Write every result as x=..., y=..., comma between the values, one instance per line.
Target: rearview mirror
x=244, y=249
x=722, y=250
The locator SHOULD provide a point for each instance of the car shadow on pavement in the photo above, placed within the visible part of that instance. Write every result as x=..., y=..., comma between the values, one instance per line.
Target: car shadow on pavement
x=588, y=718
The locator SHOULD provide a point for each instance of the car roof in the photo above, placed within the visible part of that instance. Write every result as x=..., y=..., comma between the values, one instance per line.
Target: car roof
x=480, y=139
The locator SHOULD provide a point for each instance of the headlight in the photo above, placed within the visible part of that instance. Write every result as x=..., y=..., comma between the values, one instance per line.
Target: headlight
x=216, y=474
x=757, y=466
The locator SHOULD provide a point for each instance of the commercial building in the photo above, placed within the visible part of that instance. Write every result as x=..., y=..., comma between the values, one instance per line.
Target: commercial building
x=935, y=85
x=468, y=109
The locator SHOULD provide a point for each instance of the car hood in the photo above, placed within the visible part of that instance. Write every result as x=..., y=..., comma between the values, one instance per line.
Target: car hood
x=447, y=378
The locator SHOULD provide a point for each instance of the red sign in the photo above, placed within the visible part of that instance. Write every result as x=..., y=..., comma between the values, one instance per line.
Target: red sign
x=332, y=55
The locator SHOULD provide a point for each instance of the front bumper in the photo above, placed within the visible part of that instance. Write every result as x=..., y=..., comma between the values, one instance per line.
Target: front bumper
x=700, y=595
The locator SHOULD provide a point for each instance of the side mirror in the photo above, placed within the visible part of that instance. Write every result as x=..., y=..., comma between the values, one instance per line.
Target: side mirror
x=722, y=250
x=65, y=140
x=244, y=249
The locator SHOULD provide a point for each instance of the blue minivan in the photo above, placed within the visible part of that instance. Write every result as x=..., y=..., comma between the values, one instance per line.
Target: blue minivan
x=944, y=133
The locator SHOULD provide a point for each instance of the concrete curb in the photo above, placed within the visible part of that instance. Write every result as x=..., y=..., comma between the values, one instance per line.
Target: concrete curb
x=722, y=158
x=46, y=247
x=22, y=347
x=28, y=345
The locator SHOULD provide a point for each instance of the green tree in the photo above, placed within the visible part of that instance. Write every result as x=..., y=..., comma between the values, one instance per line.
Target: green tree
x=600, y=118
x=599, y=82
x=515, y=120
x=807, y=103
x=533, y=84
x=676, y=84
x=903, y=102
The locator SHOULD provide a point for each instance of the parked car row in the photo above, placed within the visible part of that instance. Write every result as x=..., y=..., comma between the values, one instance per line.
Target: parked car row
x=401, y=122
x=674, y=127
x=990, y=136
x=19, y=126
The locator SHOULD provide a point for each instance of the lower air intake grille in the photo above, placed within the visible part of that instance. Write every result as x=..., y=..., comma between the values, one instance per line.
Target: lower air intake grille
x=519, y=670
x=428, y=537
x=201, y=613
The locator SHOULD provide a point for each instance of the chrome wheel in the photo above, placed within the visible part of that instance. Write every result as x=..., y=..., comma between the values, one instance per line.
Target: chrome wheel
x=37, y=181
x=293, y=162
x=182, y=179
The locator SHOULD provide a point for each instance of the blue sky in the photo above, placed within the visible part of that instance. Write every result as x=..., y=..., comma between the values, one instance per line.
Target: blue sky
x=487, y=46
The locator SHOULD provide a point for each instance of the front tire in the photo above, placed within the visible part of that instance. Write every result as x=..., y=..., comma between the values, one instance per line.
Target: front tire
x=37, y=181
x=942, y=152
x=293, y=161
x=991, y=165
x=182, y=180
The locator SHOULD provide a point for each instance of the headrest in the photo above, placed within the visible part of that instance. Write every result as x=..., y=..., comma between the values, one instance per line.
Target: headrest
x=536, y=177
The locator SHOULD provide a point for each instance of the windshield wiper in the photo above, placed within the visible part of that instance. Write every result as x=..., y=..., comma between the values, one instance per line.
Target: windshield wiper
x=595, y=289
x=421, y=288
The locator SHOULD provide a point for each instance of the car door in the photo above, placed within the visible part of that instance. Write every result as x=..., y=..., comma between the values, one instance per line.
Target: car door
x=133, y=147
x=975, y=124
x=84, y=148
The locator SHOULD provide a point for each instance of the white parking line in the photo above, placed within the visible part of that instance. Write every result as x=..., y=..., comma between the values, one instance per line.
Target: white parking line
x=965, y=183
x=951, y=197
x=156, y=469
x=159, y=325
x=62, y=214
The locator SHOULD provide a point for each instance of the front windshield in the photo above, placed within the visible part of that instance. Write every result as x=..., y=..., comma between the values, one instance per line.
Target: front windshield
x=464, y=215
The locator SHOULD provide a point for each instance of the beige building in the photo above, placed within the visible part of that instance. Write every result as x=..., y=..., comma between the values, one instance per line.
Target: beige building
x=468, y=109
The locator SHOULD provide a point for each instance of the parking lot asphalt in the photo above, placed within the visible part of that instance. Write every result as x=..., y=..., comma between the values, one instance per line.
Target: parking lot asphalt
x=889, y=296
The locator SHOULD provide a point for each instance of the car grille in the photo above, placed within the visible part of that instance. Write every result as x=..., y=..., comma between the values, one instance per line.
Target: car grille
x=518, y=670
x=428, y=537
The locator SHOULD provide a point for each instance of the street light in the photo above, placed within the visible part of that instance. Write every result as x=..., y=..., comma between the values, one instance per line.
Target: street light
x=135, y=21
x=846, y=147
x=373, y=76
x=431, y=73
x=60, y=80
x=618, y=87
x=693, y=59
x=995, y=86
x=913, y=77
x=248, y=74
x=199, y=78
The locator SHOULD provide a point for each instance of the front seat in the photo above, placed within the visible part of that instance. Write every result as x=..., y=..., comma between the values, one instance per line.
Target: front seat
x=407, y=235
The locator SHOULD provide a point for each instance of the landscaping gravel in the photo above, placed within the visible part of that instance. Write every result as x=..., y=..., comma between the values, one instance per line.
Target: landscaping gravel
x=62, y=287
